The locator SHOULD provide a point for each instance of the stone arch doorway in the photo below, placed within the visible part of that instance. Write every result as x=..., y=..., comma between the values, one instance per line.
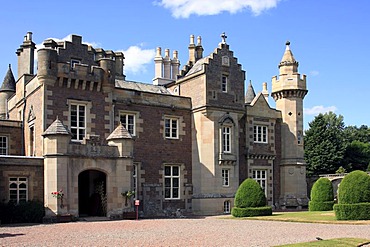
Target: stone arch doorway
x=92, y=197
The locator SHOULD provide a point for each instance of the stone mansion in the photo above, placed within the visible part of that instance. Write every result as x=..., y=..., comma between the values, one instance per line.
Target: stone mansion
x=185, y=141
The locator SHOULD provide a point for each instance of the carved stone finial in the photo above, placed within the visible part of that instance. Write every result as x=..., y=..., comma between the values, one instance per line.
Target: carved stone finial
x=287, y=43
x=223, y=37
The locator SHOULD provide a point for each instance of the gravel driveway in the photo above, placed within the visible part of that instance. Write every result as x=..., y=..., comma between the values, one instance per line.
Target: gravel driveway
x=208, y=231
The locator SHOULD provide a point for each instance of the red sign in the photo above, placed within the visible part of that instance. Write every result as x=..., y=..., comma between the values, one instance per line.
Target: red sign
x=137, y=202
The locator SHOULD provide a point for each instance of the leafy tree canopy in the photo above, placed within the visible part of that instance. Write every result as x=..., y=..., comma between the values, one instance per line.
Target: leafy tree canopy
x=324, y=144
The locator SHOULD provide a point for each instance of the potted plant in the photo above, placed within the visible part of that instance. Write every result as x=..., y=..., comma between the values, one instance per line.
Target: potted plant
x=130, y=213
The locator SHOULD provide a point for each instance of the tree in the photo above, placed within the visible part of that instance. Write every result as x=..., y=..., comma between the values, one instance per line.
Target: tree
x=357, y=156
x=324, y=144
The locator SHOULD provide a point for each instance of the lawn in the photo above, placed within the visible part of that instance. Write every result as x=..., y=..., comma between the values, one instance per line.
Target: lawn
x=331, y=242
x=327, y=217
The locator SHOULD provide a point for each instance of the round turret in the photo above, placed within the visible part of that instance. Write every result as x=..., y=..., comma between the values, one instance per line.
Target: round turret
x=47, y=63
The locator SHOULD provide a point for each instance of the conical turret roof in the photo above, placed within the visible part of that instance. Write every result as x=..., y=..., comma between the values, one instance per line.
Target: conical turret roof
x=57, y=128
x=119, y=133
x=250, y=95
x=288, y=58
x=9, y=81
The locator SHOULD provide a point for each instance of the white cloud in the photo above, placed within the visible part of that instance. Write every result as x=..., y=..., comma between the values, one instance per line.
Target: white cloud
x=314, y=73
x=185, y=8
x=319, y=109
x=137, y=58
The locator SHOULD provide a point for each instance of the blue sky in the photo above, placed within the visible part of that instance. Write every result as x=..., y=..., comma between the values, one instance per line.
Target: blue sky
x=330, y=39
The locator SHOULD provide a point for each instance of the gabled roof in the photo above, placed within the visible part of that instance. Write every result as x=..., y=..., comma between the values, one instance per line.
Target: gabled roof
x=57, y=128
x=9, y=81
x=250, y=95
x=198, y=66
x=119, y=133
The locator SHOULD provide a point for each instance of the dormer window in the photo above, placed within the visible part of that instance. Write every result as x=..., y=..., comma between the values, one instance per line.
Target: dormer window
x=224, y=80
x=74, y=62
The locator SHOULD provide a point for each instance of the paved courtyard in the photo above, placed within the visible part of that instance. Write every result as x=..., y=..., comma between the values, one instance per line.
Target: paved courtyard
x=208, y=231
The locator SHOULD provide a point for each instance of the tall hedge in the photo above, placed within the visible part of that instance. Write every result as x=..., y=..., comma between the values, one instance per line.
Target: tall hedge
x=354, y=197
x=322, y=196
x=250, y=200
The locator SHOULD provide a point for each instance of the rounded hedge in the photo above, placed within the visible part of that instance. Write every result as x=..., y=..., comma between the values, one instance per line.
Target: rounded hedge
x=250, y=194
x=250, y=200
x=354, y=188
x=322, y=196
x=354, y=197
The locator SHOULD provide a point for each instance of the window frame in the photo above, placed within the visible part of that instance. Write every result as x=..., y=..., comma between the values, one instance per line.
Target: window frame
x=227, y=207
x=225, y=174
x=226, y=131
x=170, y=133
x=18, y=181
x=261, y=179
x=260, y=134
x=126, y=123
x=78, y=128
x=224, y=83
x=171, y=178
x=6, y=146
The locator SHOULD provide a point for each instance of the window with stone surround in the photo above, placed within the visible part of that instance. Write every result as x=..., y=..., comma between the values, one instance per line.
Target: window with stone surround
x=128, y=121
x=224, y=82
x=77, y=121
x=172, y=182
x=227, y=207
x=225, y=173
x=261, y=177
x=171, y=127
x=226, y=139
x=18, y=189
x=260, y=134
x=3, y=145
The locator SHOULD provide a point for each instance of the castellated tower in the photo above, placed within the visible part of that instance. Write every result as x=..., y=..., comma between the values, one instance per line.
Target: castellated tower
x=289, y=91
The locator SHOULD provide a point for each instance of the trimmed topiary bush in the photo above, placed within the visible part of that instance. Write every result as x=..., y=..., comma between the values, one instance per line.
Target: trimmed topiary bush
x=250, y=200
x=322, y=196
x=24, y=212
x=354, y=197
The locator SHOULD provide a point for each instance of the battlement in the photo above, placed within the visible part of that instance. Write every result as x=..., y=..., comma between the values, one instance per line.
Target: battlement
x=288, y=82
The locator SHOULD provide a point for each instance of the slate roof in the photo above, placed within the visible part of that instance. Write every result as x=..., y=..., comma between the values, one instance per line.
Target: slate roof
x=9, y=81
x=119, y=133
x=250, y=95
x=143, y=87
x=198, y=66
x=57, y=128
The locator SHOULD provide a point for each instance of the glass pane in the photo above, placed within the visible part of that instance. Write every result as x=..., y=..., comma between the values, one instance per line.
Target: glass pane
x=13, y=185
x=167, y=193
x=167, y=171
x=12, y=179
x=167, y=182
x=175, y=171
x=23, y=186
x=175, y=182
x=175, y=193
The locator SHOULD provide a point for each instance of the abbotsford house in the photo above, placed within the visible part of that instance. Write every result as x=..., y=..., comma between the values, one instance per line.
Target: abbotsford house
x=183, y=142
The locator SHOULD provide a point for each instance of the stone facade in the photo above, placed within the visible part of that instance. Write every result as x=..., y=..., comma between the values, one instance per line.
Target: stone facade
x=184, y=143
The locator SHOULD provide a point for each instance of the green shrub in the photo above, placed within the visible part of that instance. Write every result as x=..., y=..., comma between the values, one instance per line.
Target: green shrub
x=356, y=211
x=354, y=197
x=320, y=206
x=322, y=196
x=250, y=200
x=249, y=212
x=354, y=188
x=250, y=194
x=24, y=212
